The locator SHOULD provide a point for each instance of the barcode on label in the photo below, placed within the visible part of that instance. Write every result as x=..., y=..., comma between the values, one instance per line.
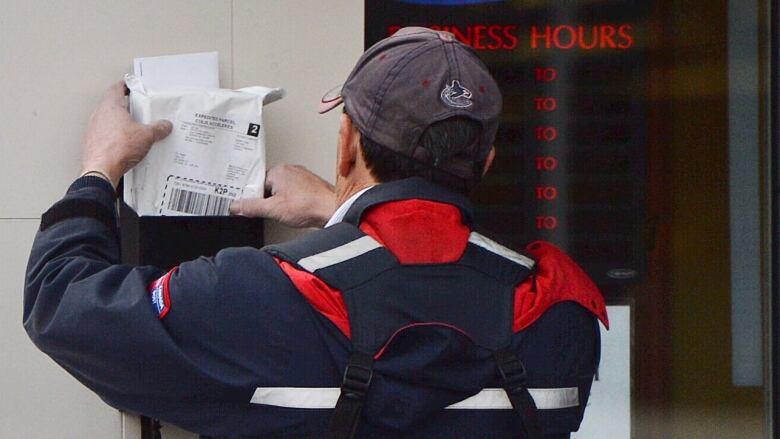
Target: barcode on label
x=198, y=203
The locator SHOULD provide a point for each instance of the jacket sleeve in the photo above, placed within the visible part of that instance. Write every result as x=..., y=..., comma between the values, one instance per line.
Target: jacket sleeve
x=101, y=321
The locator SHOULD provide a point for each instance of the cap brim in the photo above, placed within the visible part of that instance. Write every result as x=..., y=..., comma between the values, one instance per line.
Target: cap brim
x=324, y=107
x=331, y=100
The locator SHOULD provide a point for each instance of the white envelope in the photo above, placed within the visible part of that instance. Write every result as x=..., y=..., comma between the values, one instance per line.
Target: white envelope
x=215, y=153
x=186, y=70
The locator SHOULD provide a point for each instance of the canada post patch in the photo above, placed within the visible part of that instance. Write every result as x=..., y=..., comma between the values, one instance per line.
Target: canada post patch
x=159, y=290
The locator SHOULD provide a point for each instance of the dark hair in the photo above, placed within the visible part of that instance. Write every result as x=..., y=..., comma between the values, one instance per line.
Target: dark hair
x=456, y=138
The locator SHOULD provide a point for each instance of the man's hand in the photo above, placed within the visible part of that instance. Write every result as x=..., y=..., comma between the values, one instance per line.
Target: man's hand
x=114, y=142
x=298, y=198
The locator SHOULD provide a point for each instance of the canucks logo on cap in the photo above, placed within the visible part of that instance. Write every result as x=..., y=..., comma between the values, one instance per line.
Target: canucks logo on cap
x=456, y=95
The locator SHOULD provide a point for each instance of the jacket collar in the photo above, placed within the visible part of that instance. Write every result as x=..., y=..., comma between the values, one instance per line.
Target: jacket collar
x=408, y=188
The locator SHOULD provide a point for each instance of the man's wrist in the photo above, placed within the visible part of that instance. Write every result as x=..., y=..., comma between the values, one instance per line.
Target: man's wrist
x=94, y=181
x=102, y=174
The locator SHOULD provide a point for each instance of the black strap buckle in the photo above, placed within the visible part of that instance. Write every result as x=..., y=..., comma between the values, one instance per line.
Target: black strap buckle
x=357, y=378
x=512, y=371
x=346, y=414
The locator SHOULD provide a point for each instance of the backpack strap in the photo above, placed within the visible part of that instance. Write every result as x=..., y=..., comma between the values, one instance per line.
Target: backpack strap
x=315, y=243
x=509, y=267
x=346, y=414
x=515, y=385
x=505, y=265
x=342, y=255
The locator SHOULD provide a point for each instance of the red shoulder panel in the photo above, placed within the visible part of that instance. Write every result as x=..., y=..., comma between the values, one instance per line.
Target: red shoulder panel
x=323, y=298
x=557, y=279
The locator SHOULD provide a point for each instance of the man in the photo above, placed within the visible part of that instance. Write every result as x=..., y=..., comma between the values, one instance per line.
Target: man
x=395, y=320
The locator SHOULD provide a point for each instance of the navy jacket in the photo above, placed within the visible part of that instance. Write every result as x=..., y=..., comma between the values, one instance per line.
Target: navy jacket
x=191, y=347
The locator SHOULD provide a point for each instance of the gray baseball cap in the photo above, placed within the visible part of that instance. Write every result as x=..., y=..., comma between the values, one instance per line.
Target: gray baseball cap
x=406, y=82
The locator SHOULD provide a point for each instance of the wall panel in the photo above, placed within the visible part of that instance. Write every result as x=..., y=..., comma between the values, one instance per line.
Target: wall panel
x=40, y=400
x=57, y=58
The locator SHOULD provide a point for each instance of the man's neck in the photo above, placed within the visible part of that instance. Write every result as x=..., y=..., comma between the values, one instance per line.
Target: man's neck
x=344, y=207
x=347, y=189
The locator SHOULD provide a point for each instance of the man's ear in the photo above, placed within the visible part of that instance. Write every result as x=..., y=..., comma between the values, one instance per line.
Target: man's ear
x=489, y=160
x=349, y=140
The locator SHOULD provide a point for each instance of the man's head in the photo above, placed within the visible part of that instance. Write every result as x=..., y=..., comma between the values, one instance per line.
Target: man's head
x=418, y=103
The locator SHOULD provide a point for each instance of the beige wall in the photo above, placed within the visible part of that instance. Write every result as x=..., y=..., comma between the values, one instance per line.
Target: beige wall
x=56, y=58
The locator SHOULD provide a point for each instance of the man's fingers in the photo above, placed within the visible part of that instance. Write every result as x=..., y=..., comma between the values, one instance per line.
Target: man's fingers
x=270, y=178
x=236, y=207
x=116, y=93
x=160, y=129
x=254, y=207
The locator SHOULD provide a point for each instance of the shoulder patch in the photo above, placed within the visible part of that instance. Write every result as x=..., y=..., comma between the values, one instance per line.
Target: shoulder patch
x=159, y=290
